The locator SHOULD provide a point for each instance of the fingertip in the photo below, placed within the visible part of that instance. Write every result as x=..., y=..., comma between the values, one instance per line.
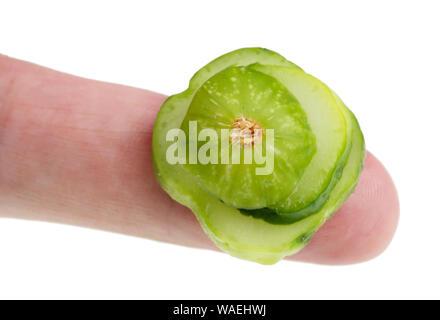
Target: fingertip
x=364, y=226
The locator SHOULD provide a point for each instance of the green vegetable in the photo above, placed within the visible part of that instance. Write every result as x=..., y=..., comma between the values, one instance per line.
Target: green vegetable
x=214, y=142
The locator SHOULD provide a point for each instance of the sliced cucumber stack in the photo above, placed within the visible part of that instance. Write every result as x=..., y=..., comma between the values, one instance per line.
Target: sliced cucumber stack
x=262, y=153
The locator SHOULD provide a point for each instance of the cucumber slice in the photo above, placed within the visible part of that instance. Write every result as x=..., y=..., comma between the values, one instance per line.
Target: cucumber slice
x=238, y=234
x=252, y=95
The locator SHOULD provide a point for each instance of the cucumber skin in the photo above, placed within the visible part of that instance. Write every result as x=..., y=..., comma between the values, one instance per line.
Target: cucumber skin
x=177, y=183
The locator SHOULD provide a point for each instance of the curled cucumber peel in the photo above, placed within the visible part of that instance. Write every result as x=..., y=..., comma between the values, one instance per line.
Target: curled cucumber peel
x=262, y=153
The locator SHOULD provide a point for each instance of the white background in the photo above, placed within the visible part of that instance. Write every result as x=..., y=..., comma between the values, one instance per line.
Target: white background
x=383, y=59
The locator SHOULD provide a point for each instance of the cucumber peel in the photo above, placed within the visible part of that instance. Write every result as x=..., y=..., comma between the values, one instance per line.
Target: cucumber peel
x=318, y=153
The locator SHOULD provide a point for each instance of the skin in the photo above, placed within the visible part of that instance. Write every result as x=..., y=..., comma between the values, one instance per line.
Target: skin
x=78, y=152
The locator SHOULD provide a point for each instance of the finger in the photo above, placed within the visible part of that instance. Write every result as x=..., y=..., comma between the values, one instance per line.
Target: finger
x=78, y=151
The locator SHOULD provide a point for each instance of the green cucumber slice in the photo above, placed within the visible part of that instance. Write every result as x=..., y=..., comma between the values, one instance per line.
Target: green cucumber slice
x=254, y=95
x=245, y=236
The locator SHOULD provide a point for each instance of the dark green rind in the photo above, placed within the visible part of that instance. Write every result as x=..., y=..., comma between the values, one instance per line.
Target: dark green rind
x=356, y=159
